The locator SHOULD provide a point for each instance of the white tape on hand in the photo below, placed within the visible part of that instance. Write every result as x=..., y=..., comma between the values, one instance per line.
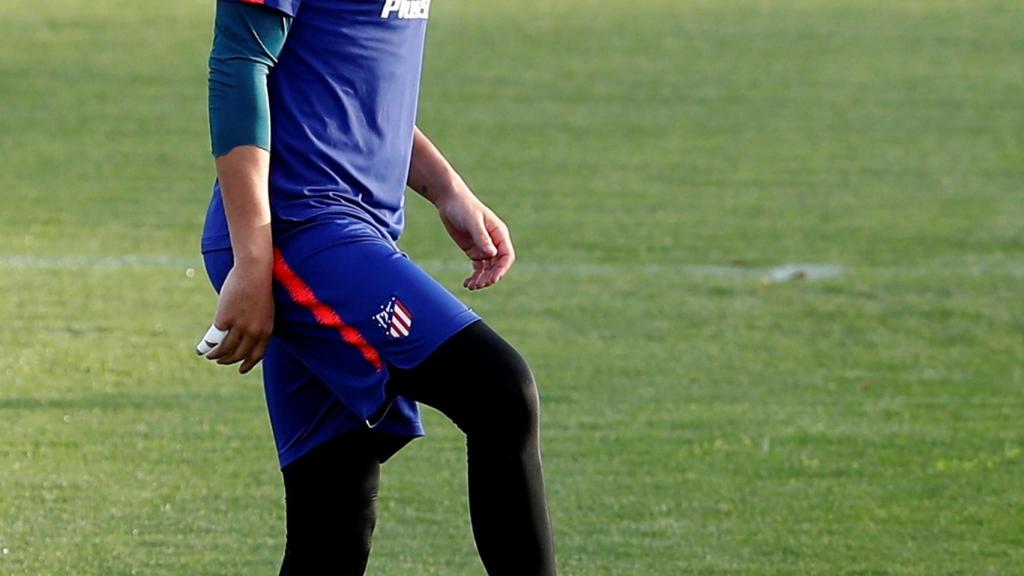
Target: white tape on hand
x=214, y=336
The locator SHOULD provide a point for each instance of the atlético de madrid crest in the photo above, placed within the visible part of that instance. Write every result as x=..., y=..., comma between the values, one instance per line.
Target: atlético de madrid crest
x=394, y=318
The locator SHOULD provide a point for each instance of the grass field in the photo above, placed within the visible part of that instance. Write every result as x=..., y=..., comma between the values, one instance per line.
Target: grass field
x=655, y=160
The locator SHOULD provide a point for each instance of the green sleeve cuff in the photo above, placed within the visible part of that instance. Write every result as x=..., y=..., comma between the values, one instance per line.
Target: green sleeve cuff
x=247, y=41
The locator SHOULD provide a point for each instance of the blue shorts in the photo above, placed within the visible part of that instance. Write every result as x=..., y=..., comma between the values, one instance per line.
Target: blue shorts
x=349, y=306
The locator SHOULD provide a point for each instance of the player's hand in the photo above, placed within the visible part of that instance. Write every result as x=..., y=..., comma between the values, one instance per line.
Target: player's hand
x=245, y=309
x=481, y=235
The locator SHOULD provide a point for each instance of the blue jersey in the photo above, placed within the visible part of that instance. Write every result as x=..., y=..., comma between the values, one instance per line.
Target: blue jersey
x=343, y=98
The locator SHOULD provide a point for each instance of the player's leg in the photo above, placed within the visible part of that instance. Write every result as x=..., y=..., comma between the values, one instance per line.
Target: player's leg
x=360, y=314
x=479, y=381
x=330, y=488
x=330, y=503
x=330, y=470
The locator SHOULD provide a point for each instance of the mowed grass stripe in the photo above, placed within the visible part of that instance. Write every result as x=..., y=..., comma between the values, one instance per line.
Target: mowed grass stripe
x=781, y=273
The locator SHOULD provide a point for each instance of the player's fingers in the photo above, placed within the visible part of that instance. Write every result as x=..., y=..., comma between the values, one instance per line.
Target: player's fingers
x=498, y=266
x=495, y=272
x=500, y=236
x=502, y=265
x=210, y=340
x=240, y=352
x=483, y=244
x=476, y=253
x=480, y=274
x=255, y=356
x=227, y=346
x=247, y=365
x=503, y=242
x=474, y=278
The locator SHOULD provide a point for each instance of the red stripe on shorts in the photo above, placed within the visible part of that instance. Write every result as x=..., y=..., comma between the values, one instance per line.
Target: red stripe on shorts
x=254, y=1
x=303, y=295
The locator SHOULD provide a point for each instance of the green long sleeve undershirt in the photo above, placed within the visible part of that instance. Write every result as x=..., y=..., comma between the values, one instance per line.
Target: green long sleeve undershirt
x=247, y=41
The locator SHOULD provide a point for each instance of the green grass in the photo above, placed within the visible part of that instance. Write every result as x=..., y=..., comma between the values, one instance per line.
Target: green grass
x=693, y=423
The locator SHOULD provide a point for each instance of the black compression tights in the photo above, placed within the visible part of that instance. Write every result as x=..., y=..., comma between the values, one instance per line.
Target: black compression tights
x=483, y=385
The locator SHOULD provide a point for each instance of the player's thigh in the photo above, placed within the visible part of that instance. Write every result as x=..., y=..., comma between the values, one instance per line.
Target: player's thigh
x=477, y=379
x=354, y=311
x=304, y=412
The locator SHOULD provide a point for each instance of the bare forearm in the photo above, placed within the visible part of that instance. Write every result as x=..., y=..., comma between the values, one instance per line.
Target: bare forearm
x=473, y=226
x=430, y=173
x=248, y=39
x=243, y=174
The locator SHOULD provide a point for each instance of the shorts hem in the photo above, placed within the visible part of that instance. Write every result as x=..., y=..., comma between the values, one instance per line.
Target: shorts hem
x=459, y=322
x=387, y=443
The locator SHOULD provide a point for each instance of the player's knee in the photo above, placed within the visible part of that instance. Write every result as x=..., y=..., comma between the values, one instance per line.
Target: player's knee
x=516, y=402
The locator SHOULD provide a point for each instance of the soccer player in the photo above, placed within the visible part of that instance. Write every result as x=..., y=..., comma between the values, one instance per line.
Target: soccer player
x=312, y=115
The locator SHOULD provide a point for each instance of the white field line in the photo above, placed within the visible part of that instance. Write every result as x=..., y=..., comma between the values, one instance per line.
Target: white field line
x=783, y=273
x=97, y=262
x=191, y=265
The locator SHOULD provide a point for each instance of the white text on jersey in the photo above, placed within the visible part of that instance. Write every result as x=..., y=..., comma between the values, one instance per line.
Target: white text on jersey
x=407, y=9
